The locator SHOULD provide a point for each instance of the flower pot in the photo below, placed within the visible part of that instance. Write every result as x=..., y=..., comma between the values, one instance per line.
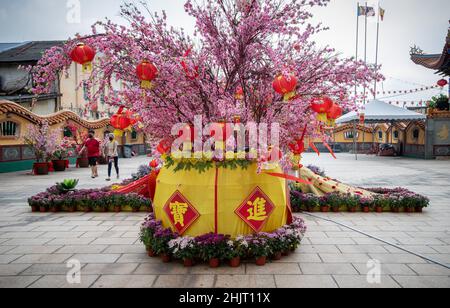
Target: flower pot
x=150, y=252
x=59, y=165
x=352, y=210
x=419, y=209
x=261, y=261
x=117, y=209
x=395, y=210
x=366, y=209
x=335, y=209
x=34, y=209
x=42, y=209
x=40, y=168
x=83, y=162
x=149, y=210
x=166, y=258
x=285, y=253
x=235, y=262
x=379, y=209
x=71, y=209
x=214, y=263
x=310, y=209
x=135, y=210
x=54, y=209
x=87, y=210
x=324, y=209
x=277, y=256
x=409, y=210
x=188, y=263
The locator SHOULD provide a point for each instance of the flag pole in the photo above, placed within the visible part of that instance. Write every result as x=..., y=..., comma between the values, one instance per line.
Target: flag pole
x=376, y=53
x=365, y=51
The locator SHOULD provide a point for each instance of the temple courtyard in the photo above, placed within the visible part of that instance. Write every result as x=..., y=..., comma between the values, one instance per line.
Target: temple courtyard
x=338, y=251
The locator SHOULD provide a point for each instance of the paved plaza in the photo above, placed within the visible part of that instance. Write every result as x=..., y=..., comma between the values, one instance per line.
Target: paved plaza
x=35, y=248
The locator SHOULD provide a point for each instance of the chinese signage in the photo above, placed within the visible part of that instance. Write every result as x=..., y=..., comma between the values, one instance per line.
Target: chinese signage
x=256, y=210
x=181, y=213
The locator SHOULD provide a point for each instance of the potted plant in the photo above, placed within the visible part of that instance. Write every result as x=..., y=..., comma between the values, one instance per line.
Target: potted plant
x=277, y=245
x=334, y=201
x=42, y=140
x=352, y=203
x=235, y=251
x=440, y=102
x=395, y=202
x=67, y=186
x=311, y=202
x=62, y=152
x=381, y=202
x=185, y=249
x=421, y=203
x=324, y=206
x=160, y=244
x=259, y=247
x=367, y=204
x=213, y=248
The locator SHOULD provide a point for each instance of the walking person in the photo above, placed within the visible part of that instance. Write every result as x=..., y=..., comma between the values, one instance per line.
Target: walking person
x=92, y=146
x=112, y=155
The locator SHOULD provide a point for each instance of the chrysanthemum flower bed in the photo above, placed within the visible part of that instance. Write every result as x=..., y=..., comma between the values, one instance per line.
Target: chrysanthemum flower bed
x=393, y=200
x=218, y=248
x=87, y=200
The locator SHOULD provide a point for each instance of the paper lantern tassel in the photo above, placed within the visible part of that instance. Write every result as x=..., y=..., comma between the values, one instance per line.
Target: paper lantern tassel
x=87, y=67
x=288, y=96
x=146, y=84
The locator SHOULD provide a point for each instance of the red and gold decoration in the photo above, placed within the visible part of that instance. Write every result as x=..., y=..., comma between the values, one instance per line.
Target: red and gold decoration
x=83, y=55
x=181, y=213
x=256, y=210
x=286, y=86
x=362, y=118
x=147, y=72
x=239, y=93
x=322, y=106
x=121, y=121
x=442, y=83
x=333, y=114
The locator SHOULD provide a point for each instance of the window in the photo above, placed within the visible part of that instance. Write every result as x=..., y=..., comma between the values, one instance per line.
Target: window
x=380, y=134
x=396, y=134
x=350, y=135
x=134, y=135
x=416, y=133
x=85, y=91
x=9, y=129
x=68, y=132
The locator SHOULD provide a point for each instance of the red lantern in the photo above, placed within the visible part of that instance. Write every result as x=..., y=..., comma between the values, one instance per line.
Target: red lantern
x=84, y=55
x=120, y=120
x=442, y=83
x=146, y=72
x=239, y=93
x=285, y=86
x=333, y=114
x=164, y=147
x=321, y=106
x=362, y=118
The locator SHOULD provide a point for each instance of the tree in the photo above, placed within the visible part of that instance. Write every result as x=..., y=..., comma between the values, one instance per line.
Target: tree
x=238, y=44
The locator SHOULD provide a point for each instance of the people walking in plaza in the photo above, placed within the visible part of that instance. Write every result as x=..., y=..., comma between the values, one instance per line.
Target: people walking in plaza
x=112, y=155
x=92, y=146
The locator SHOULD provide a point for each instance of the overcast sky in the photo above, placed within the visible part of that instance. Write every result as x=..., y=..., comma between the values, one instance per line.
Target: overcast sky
x=407, y=22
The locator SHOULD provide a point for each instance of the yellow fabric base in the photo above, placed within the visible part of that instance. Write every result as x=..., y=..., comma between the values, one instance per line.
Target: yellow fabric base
x=234, y=187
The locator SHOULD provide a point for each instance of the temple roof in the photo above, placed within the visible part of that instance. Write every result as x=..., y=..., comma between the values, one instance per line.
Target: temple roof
x=439, y=62
x=56, y=118
x=25, y=52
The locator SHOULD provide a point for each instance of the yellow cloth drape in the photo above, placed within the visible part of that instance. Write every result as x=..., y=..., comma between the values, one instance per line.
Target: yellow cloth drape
x=233, y=188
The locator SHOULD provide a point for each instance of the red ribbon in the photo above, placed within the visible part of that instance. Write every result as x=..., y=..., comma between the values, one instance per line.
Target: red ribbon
x=313, y=146
x=288, y=177
x=186, y=69
x=329, y=149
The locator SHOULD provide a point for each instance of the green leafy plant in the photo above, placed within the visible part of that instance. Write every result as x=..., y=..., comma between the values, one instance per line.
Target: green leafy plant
x=440, y=102
x=67, y=185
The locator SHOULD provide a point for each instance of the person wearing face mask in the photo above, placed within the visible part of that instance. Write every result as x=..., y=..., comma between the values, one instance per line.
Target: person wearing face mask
x=112, y=155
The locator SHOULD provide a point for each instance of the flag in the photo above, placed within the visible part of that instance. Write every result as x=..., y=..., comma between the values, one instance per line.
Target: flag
x=382, y=12
x=370, y=11
x=361, y=10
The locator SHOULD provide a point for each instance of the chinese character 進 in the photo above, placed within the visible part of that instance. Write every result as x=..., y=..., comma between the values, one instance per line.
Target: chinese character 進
x=258, y=210
x=178, y=210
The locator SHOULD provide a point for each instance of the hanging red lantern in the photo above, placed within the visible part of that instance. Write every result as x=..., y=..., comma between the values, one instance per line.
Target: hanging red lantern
x=84, y=55
x=362, y=118
x=333, y=114
x=239, y=93
x=164, y=147
x=121, y=121
x=442, y=83
x=321, y=106
x=147, y=72
x=285, y=86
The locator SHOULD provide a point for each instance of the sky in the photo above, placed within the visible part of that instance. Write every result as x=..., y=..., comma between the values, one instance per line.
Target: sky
x=407, y=23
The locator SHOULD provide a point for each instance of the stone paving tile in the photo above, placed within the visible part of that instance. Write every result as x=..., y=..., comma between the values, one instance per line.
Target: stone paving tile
x=5, y=259
x=109, y=269
x=318, y=249
x=224, y=269
x=96, y=258
x=43, y=258
x=185, y=281
x=11, y=282
x=125, y=281
x=102, y=234
x=66, y=235
x=12, y=269
x=386, y=269
x=397, y=258
x=71, y=241
x=442, y=257
x=423, y=281
x=305, y=281
x=331, y=241
x=362, y=249
x=125, y=249
x=273, y=269
x=430, y=270
x=137, y=258
x=114, y=241
x=301, y=258
x=27, y=242
x=21, y=235
x=344, y=258
x=327, y=269
x=359, y=282
x=60, y=282
x=413, y=248
x=82, y=249
x=53, y=229
x=5, y=249
x=161, y=269
x=46, y=269
x=245, y=281
x=92, y=229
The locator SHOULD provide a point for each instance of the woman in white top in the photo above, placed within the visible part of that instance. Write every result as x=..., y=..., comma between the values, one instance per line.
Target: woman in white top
x=112, y=155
